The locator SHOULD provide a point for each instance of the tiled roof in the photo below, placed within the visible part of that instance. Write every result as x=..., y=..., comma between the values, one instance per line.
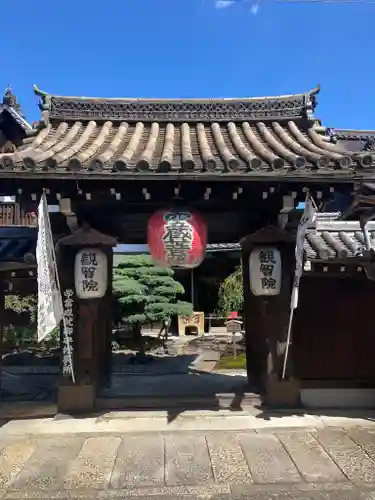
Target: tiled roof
x=337, y=240
x=328, y=245
x=328, y=240
x=320, y=245
x=9, y=105
x=244, y=136
x=16, y=116
x=233, y=146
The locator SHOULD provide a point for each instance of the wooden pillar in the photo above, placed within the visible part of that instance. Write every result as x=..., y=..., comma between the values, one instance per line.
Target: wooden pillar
x=85, y=261
x=267, y=317
x=2, y=315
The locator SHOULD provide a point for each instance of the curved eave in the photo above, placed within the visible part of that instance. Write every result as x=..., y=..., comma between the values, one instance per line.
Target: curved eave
x=239, y=148
x=24, y=124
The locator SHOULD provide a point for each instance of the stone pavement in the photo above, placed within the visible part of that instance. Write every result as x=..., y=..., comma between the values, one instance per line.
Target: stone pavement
x=280, y=464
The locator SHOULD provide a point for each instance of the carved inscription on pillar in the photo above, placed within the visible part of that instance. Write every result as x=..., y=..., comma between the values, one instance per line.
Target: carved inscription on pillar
x=67, y=347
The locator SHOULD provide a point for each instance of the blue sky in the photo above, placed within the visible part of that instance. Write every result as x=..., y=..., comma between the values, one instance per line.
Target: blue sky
x=193, y=48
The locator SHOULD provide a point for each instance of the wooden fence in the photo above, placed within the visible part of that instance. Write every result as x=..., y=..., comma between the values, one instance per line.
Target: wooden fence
x=12, y=214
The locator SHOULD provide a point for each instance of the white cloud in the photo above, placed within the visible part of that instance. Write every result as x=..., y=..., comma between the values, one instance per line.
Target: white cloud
x=255, y=8
x=223, y=4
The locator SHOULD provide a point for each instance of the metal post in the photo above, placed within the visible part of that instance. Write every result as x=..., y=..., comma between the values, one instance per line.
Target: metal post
x=288, y=342
x=234, y=345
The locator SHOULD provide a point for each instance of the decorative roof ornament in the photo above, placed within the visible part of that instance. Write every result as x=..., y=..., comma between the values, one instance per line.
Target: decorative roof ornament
x=10, y=100
x=10, y=105
x=281, y=107
x=369, y=144
x=311, y=101
x=331, y=133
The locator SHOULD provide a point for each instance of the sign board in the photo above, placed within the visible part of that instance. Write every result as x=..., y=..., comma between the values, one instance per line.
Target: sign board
x=90, y=273
x=265, y=271
x=193, y=322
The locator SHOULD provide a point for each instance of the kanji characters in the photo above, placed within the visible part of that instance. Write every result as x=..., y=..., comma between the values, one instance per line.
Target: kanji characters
x=178, y=237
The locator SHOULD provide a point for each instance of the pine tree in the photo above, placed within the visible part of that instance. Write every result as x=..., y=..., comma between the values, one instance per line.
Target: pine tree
x=231, y=293
x=145, y=292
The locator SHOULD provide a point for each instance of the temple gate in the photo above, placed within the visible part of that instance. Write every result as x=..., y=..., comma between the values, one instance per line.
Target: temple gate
x=243, y=164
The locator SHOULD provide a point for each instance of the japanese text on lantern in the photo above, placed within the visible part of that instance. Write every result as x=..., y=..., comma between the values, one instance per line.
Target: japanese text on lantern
x=68, y=332
x=265, y=271
x=90, y=273
x=267, y=266
x=89, y=265
x=178, y=237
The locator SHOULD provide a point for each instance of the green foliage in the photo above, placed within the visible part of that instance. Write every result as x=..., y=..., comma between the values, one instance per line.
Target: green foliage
x=16, y=335
x=20, y=304
x=146, y=292
x=231, y=293
x=231, y=363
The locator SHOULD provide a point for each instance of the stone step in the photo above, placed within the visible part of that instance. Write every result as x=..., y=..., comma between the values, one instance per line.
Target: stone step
x=207, y=402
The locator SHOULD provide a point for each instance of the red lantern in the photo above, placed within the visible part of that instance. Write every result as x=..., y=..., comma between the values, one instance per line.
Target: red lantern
x=177, y=238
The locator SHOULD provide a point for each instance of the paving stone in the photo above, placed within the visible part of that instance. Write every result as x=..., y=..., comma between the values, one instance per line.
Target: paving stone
x=227, y=460
x=12, y=458
x=310, y=458
x=352, y=494
x=369, y=495
x=169, y=493
x=51, y=495
x=267, y=459
x=140, y=462
x=365, y=439
x=158, y=494
x=348, y=455
x=93, y=466
x=301, y=492
x=3, y=443
x=49, y=464
x=199, y=493
x=187, y=460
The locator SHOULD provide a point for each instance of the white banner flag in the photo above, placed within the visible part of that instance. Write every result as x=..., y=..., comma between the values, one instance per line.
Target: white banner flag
x=50, y=310
x=307, y=220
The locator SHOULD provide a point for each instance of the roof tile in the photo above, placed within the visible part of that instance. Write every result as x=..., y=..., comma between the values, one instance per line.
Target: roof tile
x=232, y=147
x=250, y=136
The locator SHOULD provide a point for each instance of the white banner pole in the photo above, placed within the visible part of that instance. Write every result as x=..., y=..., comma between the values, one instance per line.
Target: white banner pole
x=288, y=342
x=51, y=276
x=307, y=219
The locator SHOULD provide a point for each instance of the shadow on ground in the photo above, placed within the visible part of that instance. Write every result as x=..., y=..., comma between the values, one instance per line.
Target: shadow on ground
x=168, y=381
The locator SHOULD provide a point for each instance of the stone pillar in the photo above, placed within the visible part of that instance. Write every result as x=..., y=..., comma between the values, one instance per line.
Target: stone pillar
x=85, y=262
x=267, y=317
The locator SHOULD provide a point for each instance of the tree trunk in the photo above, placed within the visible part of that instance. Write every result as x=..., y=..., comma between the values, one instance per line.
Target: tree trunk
x=137, y=333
